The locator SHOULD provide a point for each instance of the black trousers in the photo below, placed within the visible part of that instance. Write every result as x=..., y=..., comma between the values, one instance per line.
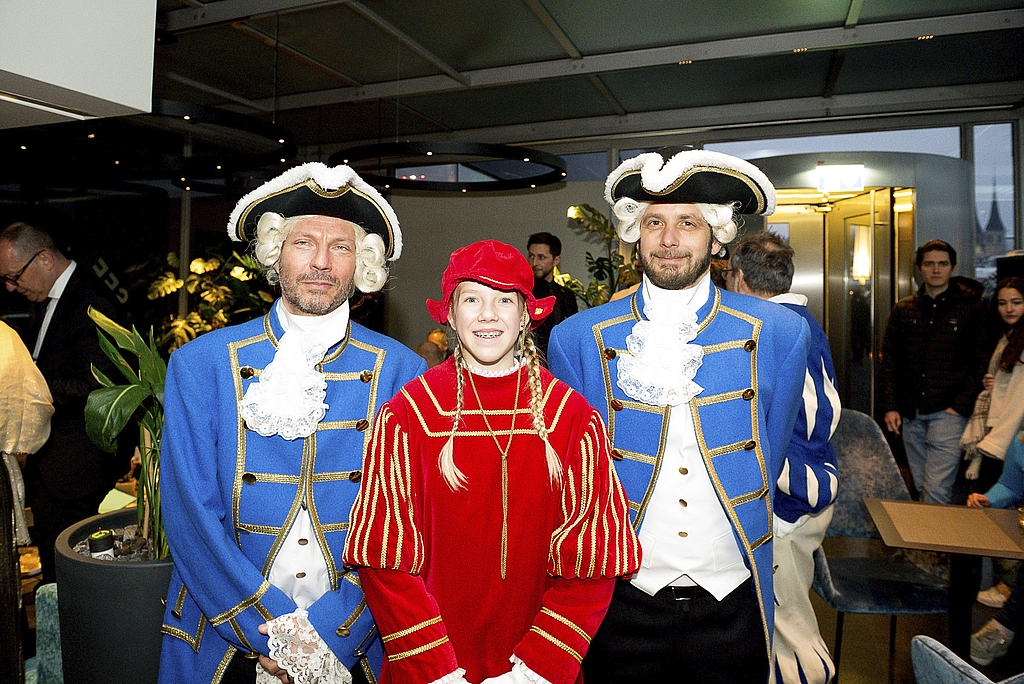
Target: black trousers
x=242, y=670
x=679, y=636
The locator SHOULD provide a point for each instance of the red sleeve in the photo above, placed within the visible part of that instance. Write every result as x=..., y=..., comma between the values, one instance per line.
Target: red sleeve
x=571, y=612
x=595, y=538
x=382, y=527
x=415, y=639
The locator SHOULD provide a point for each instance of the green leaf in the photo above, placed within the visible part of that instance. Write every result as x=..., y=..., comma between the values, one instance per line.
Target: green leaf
x=115, y=356
x=108, y=410
x=122, y=336
x=100, y=377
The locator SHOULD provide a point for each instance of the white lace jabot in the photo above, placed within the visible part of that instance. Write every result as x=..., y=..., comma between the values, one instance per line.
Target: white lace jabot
x=288, y=398
x=661, y=363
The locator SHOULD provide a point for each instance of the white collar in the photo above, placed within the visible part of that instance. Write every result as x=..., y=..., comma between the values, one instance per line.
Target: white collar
x=62, y=281
x=675, y=306
x=329, y=328
x=789, y=298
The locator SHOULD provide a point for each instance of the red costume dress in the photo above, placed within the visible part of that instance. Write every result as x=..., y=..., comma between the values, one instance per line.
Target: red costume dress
x=508, y=564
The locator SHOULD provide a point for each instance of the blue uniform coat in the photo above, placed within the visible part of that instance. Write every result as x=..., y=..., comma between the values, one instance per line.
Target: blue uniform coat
x=755, y=356
x=230, y=495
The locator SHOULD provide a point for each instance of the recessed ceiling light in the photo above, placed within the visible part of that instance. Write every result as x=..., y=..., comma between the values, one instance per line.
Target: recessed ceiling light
x=281, y=140
x=186, y=117
x=91, y=136
x=430, y=154
x=925, y=37
x=800, y=49
x=23, y=147
x=686, y=61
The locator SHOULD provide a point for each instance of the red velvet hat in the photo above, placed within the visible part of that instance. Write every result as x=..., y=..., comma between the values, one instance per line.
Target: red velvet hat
x=493, y=264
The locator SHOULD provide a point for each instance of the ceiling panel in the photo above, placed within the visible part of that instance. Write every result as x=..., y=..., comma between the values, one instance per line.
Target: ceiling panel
x=949, y=60
x=473, y=34
x=889, y=10
x=601, y=26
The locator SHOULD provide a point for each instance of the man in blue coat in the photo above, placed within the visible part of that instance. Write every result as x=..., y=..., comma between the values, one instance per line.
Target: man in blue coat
x=263, y=441
x=761, y=266
x=700, y=389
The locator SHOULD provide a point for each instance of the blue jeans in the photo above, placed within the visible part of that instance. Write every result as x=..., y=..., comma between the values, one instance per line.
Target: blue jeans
x=932, y=441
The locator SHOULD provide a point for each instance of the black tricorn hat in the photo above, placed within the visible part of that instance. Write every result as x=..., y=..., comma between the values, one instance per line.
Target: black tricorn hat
x=315, y=189
x=681, y=176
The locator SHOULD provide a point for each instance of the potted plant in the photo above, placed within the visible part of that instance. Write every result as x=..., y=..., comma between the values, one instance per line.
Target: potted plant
x=608, y=272
x=111, y=612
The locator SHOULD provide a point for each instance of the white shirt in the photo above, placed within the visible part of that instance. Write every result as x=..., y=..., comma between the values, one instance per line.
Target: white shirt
x=55, y=292
x=300, y=552
x=686, y=536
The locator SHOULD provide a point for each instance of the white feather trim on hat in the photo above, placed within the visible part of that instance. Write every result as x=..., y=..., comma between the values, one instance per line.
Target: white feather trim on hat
x=328, y=178
x=656, y=174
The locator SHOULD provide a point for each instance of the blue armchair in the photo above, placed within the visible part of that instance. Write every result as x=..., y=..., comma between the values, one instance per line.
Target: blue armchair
x=936, y=664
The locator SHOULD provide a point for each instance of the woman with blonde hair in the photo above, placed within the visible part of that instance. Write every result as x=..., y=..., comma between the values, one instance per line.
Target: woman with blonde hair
x=490, y=526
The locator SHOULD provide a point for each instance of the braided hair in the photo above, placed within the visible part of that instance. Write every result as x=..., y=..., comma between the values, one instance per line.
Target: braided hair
x=527, y=351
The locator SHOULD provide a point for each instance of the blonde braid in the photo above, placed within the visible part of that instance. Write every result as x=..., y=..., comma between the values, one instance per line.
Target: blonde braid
x=446, y=460
x=532, y=359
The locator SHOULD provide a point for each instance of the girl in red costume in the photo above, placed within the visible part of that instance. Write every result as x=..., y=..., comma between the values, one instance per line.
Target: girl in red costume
x=490, y=526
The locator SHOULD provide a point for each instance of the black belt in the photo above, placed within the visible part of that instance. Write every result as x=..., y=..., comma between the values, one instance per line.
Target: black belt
x=684, y=593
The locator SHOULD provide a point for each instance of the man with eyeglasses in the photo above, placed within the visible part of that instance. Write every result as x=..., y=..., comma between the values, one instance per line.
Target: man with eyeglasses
x=67, y=479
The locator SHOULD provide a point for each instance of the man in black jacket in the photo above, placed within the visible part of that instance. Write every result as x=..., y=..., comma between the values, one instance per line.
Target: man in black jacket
x=544, y=252
x=928, y=376
x=67, y=479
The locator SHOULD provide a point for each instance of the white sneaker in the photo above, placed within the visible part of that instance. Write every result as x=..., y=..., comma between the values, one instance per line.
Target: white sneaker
x=994, y=596
x=990, y=642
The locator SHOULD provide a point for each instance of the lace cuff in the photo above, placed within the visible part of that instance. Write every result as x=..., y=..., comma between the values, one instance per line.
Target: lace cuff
x=457, y=677
x=297, y=648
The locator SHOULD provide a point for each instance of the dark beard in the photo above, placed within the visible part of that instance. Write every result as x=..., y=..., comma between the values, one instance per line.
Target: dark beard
x=315, y=305
x=678, y=278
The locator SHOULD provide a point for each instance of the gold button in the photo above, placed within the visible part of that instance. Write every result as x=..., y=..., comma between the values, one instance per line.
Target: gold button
x=246, y=372
x=355, y=476
x=748, y=393
x=342, y=631
x=749, y=446
x=683, y=471
x=248, y=478
x=251, y=656
x=176, y=613
x=616, y=456
x=616, y=405
x=303, y=542
x=750, y=345
x=775, y=568
x=362, y=425
x=366, y=376
x=609, y=353
x=300, y=575
x=682, y=502
x=683, y=534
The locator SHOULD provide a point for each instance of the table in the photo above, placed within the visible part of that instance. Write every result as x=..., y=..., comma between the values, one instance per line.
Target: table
x=957, y=530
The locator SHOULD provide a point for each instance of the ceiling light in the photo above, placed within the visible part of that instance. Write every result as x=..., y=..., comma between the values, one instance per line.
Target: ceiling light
x=91, y=136
x=281, y=140
x=799, y=49
x=282, y=160
x=218, y=167
x=377, y=163
x=116, y=162
x=186, y=117
x=686, y=61
x=905, y=206
x=23, y=147
x=925, y=37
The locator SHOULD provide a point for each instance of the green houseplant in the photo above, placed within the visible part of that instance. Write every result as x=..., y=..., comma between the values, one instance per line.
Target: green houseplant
x=109, y=409
x=609, y=271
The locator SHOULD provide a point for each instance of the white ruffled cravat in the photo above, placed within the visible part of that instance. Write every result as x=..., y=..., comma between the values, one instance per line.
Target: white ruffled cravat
x=288, y=398
x=661, y=363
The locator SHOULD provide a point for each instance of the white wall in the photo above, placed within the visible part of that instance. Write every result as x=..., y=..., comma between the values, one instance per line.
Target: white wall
x=434, y=226
x=92, y=56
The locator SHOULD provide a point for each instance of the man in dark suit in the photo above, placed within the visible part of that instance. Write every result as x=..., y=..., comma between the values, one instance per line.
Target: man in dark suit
x=544, y=252
x=67, y=479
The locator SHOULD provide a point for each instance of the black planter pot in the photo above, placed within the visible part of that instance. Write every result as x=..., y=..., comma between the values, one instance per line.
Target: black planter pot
x=110, y=612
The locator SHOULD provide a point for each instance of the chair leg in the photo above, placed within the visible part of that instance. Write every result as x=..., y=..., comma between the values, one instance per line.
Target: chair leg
x=839, y=643
x=892, y=649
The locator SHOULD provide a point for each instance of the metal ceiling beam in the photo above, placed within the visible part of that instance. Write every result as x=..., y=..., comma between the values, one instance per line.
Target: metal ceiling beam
x=294, y=52
x=702, y=120
x=853, y=15
x=192, y=83
x=409, y=42
x=230, y=11
x=752, y=46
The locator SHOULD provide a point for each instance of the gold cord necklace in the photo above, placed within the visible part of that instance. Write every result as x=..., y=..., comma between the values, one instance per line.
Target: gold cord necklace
x=504, y=462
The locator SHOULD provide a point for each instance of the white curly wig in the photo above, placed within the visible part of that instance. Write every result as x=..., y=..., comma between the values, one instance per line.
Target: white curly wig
x=272, y=230
x=629, y=212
